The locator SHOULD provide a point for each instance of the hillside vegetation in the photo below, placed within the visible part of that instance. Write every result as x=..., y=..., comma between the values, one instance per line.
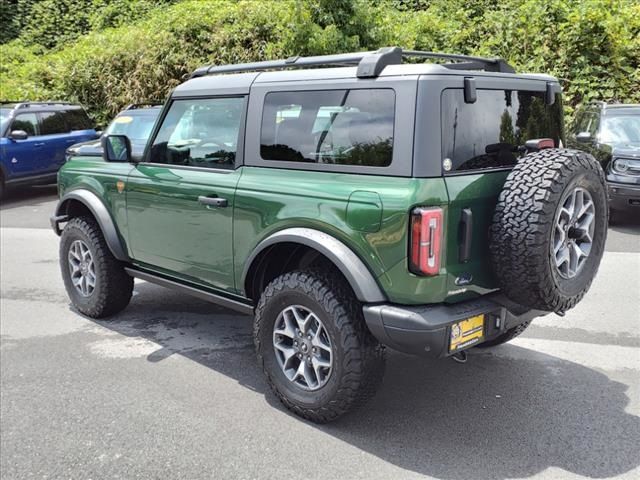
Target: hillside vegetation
x=108, y=53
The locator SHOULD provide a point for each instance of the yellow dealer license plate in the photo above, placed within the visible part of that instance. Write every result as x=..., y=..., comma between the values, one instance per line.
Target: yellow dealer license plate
x=466, y=333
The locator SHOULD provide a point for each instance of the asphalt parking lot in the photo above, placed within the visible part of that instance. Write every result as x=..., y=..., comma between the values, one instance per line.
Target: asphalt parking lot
x=170, y=387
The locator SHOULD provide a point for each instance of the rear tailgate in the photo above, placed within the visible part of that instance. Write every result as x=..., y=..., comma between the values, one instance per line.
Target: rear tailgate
x=481, y=142
x=472, y=199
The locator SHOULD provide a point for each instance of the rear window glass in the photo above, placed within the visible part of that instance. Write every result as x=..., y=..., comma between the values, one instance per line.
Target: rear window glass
x=342, y=127
x=492, y=132
x=77, y=119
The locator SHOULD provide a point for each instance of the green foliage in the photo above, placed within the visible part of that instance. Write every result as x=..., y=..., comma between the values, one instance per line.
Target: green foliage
x=107, y=53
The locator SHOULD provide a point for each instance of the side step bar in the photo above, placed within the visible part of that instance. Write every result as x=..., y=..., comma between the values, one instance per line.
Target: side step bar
x=195, y=292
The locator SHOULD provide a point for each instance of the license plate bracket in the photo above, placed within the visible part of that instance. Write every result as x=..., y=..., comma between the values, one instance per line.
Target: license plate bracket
x=466, y=333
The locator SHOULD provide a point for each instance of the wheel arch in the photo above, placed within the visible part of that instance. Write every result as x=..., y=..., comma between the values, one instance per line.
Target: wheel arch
x=81, y=201
x=301, y=246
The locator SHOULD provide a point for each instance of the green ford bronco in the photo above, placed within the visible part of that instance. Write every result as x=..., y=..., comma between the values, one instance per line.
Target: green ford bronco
x=357, y=203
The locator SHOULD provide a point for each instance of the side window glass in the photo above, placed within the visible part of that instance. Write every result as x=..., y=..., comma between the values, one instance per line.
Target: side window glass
x=199, y=132
x=77, y=119
x=341, y=127
x=27, y=122
x=52, y=123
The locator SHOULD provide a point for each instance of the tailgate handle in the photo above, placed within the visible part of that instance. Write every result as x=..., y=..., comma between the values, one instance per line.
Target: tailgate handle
x=465, y=235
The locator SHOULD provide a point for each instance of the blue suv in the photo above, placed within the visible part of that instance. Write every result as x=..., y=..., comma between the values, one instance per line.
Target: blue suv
x=34, y=137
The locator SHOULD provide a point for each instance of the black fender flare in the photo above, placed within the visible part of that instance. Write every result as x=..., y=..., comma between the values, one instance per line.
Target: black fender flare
x=100, y=212
x=352, y=267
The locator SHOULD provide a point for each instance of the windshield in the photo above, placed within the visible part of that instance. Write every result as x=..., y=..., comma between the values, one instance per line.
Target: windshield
x=136, y=127
x=621, y=129
x=4, y=118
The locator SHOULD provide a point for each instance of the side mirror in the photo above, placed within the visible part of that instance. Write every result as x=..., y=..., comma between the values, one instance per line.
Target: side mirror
x=18, y=135
x=584, y=137
x=116, y=148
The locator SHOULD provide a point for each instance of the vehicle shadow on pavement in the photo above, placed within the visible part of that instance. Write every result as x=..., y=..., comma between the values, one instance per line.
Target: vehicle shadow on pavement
x=507, y=413
x=626, y=222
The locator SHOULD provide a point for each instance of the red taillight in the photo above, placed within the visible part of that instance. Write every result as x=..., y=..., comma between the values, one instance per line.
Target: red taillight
x=426, y=241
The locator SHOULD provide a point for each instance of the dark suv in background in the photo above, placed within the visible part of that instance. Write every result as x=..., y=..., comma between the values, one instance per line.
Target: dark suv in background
x=136, y=122
x=611, y=133
x=34, y=137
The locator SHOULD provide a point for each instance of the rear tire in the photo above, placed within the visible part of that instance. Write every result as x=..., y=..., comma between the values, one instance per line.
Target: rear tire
x=351, y=362
x=95, y=280
x=549, y=229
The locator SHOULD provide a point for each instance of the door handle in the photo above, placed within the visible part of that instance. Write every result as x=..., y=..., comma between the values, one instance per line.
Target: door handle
x=465, y=234
x=38, y=144
x=213, y=201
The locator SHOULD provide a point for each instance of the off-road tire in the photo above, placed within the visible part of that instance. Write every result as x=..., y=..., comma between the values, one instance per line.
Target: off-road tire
x=359, y=360
x=114, y=286
x=523, y=223
x=506, y=336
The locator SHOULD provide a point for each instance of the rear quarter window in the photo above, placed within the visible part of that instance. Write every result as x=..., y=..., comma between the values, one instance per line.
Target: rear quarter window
x=340, y=127
x=77, y=119
x=491, y=133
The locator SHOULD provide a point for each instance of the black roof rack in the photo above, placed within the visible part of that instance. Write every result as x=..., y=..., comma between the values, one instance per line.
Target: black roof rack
x=370, y=64
x=25, y=104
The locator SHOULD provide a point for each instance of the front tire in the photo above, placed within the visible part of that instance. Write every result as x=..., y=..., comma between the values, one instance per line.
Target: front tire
x=316, y=352
x=95, y=280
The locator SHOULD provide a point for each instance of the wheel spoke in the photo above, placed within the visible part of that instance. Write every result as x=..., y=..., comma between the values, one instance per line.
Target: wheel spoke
x=285, y=328
x=287, y=353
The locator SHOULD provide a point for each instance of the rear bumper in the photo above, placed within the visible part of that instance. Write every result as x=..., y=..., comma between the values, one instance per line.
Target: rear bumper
x=425, y=330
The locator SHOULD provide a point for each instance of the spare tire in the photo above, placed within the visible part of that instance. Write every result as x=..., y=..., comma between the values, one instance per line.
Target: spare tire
x=549, y=229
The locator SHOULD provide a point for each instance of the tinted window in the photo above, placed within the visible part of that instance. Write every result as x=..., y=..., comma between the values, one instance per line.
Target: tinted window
x=52, y=123
x=77, y=119
x=491, y=132
x=27, y=122
x=136, y=127
x=345, y=127
x=199, y=132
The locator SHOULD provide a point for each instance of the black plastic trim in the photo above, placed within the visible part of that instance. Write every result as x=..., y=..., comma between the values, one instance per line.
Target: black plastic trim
x=192, y=290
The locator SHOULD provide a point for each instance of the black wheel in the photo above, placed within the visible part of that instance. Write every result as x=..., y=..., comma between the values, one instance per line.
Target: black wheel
x=549, y=229
x=313, y=345
x=95, y=281
x=506, y=336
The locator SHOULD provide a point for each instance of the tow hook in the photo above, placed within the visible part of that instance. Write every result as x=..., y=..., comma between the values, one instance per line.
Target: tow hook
x=460, y=357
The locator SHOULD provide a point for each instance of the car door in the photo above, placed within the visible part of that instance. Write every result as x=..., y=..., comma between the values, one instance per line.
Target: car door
x=180, y=198
x=24, y=157
x=55, y=136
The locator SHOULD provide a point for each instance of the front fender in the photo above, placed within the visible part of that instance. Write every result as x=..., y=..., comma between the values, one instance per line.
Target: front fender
x=355, y=271
x=101, y=214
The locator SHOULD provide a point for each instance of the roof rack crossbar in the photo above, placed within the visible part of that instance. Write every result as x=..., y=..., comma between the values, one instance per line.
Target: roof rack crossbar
x=489, y=64
x=370, y=64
